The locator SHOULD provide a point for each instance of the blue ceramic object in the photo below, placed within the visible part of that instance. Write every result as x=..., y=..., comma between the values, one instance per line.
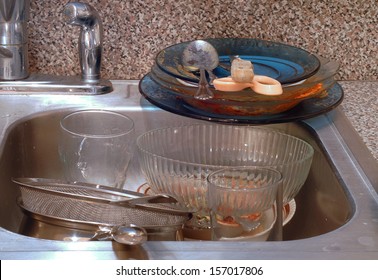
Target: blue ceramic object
x=282, y=62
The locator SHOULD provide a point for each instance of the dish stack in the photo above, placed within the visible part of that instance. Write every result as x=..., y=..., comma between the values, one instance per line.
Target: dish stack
x=308, y=83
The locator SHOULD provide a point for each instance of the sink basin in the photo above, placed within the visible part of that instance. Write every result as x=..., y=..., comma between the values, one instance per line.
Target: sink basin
x=336, y=210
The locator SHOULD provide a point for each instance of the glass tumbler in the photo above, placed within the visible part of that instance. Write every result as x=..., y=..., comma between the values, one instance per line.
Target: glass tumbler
x=242, y=202
x=96, y=147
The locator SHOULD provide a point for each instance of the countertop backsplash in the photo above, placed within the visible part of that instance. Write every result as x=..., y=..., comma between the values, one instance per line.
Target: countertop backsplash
x=135, y=31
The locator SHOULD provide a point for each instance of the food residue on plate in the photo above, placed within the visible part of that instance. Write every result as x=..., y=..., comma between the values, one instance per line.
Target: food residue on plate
x=242, y=76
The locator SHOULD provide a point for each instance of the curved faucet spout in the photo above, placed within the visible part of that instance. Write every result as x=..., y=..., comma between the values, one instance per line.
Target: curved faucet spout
x=90, y=40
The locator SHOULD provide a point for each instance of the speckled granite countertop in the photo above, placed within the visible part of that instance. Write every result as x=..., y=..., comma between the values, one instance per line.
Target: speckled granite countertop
x=135, y=31
x=361, y=107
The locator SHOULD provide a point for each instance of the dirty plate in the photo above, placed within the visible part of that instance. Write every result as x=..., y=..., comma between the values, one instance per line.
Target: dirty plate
x=285, y=63
x=216, y=110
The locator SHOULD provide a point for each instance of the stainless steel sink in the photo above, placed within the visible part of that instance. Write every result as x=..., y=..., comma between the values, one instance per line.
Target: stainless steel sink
x=337, y=208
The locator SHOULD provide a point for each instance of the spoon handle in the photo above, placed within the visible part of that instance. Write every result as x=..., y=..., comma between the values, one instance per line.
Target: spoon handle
x=159, y=198
x=203, y=92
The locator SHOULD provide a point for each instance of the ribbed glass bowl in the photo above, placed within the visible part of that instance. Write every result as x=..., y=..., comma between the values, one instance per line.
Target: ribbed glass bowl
x=177, y=160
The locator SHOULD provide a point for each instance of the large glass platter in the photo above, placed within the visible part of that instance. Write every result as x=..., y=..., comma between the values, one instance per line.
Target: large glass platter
x=169, y=100
x=282, y=62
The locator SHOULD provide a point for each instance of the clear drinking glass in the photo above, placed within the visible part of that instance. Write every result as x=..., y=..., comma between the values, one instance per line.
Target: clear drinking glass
x=242, y=202
x=96, y=146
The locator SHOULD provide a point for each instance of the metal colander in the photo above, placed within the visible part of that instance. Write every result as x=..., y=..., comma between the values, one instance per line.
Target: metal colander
x=97, y=204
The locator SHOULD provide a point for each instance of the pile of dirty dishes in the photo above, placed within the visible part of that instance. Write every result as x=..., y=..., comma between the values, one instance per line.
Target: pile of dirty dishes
x=188, y=70
x=178, y=160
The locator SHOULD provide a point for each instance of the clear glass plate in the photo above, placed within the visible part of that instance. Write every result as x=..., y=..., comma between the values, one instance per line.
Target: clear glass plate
x=174, y=102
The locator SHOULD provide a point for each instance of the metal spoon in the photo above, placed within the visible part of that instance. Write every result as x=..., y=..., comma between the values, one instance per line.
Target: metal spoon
x=124, y=234
x=202, y=55
x=129, y=235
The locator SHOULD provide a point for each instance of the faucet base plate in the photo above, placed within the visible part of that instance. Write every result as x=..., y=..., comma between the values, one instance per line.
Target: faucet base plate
x=45, y=83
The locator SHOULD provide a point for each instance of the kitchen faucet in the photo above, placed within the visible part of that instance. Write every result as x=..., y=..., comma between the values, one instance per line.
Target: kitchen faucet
x=14, y=75
x=13, y=39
